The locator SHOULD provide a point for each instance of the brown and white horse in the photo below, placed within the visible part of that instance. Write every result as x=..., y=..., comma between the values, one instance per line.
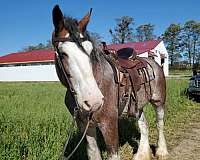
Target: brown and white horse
x=90, y=82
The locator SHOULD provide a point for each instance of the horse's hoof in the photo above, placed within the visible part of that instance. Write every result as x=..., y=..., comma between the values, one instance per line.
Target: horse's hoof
x=143, y=156
x=162, y=154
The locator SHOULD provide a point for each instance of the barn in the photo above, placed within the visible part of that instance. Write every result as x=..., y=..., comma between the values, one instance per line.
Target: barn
x=28, y=66
x=39, y=65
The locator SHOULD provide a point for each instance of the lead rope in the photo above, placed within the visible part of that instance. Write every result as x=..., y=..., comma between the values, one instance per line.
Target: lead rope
x=118, y=94
x=66, y=144
x=62, y=157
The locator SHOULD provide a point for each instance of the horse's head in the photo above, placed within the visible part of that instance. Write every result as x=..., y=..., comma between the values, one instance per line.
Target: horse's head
x=76, y=47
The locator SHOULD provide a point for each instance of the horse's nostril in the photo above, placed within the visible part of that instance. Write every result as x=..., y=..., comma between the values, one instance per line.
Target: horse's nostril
x=86, y=102
x=94, y=104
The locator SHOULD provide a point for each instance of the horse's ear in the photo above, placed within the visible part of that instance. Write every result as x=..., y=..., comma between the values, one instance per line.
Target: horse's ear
x=57, y=18
x=84, y=21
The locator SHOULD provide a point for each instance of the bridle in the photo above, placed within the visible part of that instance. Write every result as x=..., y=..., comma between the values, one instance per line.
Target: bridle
x=56, y=40
x=59, y=56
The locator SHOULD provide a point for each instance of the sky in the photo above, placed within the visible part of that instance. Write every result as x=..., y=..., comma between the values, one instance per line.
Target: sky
x=29, y=22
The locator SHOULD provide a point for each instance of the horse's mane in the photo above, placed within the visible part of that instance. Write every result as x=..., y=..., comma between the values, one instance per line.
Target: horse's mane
x=71, y=24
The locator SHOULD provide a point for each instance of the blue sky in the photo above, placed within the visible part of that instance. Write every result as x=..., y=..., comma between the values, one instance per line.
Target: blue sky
x=29, y=22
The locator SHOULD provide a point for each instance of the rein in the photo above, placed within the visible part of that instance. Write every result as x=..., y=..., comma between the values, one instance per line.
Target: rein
x=62, y=157
x=76, y=109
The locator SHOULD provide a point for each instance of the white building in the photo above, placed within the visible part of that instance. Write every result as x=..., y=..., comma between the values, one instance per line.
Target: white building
x=39, y=65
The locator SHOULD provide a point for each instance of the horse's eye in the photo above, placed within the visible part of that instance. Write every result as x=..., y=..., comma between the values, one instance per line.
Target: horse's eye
x=67, y=35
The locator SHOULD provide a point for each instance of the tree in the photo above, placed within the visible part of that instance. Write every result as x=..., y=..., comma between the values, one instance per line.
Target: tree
x=123, y=32
x=191, y=39
x=39, y=46
x=171, y=38
x=145, y=32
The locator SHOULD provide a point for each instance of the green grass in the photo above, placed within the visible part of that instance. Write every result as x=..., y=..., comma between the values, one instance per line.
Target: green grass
x=34, y=121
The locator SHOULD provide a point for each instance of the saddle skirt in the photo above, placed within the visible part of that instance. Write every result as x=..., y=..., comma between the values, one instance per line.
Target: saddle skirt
x=135, y=68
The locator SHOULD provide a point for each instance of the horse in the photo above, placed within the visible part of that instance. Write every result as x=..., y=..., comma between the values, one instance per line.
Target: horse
x=91, y=87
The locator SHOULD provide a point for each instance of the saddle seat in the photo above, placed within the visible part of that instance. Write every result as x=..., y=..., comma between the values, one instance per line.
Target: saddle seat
x=126, y=53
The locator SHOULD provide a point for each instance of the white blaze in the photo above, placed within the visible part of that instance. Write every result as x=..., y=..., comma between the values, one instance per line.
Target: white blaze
x=81, y=72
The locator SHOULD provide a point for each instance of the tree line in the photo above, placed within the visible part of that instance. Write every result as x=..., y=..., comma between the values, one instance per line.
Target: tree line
x=181, y=40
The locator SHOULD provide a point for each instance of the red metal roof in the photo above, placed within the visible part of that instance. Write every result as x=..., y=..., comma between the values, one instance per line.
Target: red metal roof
x=139, y=47
x=31, y=56
x=48, y=55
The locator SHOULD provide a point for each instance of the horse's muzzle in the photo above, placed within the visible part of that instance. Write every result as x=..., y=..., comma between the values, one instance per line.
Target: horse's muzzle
x=93, y=106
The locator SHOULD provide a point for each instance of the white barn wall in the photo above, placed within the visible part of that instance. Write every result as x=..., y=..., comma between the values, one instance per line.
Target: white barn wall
x=161, y=48
x=28, y=73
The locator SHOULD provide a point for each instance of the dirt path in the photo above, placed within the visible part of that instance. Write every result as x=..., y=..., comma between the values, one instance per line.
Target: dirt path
x=188, y=147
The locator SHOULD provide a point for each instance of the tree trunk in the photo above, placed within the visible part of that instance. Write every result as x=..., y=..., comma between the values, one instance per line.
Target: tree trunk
x=172, y=61
x=189, y=56
x=194, y=53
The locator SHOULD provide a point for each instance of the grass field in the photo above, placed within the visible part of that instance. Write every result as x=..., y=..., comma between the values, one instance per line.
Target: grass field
x=34, y=121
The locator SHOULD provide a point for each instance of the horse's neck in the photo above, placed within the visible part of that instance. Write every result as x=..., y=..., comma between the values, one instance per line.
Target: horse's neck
x=98, y=72
x=103, y=71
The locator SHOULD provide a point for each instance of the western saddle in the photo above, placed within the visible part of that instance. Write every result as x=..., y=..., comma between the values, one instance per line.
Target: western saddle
x=134, y=74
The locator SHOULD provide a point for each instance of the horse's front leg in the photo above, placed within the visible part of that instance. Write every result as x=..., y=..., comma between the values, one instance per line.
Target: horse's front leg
x=92, y=147
x=109, y=130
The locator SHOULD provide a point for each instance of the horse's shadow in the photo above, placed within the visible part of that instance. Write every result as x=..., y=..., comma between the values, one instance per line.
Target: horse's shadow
x=128, y=133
